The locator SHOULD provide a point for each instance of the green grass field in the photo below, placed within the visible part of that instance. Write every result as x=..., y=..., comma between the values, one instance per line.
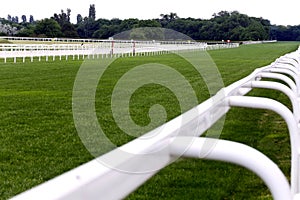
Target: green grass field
x=38, y=139
x=3, y=41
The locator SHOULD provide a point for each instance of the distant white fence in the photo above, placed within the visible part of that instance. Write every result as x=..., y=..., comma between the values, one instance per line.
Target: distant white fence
x=95, y=180
x=260, y=42
x=103, y=48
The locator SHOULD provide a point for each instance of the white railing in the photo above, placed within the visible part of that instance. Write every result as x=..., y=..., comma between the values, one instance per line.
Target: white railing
x=260, y=42
x=103, y=48
x=95, y=179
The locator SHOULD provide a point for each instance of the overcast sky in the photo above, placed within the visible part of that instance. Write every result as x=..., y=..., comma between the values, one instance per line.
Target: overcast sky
x=285, y=12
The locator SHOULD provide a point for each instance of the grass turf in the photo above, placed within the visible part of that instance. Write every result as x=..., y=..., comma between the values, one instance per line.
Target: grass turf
x=38, y=140
x=264, y=130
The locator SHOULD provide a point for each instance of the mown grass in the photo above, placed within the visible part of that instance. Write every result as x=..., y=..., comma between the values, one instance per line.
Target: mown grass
x=4, y=41
x=38, y=140
x=264, y=130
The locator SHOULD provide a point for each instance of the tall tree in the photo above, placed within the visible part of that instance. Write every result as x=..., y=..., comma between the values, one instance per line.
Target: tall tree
x=79, y=18
x=69, y=31
x=48, y=28
x=9, y=18
x=173, y=16
x=15, y=19
x=27, y=31
x=167, y=18
x=63, y=19
x=24, y=19
x=128, y=24
x=92, y=12
x=68, y=14
x=31, y=19
x=60, y=18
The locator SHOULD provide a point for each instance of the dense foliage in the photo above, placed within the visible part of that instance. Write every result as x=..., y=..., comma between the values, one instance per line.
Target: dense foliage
x=222, y=26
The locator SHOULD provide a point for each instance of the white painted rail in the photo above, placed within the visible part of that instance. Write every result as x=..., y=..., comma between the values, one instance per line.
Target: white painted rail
x=96, y=180
x=87, y=48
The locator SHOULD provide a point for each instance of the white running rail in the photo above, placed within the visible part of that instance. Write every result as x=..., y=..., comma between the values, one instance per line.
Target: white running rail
x=95, y=180
x=97, y=48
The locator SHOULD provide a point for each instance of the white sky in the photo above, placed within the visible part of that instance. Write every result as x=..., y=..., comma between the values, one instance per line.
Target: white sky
x=285, y=12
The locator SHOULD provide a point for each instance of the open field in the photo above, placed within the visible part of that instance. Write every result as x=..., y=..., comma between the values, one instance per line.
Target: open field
x=38, y=140
x=3, y=41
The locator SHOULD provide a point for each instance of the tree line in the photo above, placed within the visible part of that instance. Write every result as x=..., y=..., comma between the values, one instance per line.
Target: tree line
x=222, y=26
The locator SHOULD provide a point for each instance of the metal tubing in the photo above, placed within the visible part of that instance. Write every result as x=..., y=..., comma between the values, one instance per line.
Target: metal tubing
x=280, y=87
x=292, y=64
x=288, y=72
x=281, y=77
x=239, y=154
x=285, y=113
x=285, y=65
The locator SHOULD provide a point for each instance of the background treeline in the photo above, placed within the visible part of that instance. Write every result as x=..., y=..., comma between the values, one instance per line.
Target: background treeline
x=222, y=26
